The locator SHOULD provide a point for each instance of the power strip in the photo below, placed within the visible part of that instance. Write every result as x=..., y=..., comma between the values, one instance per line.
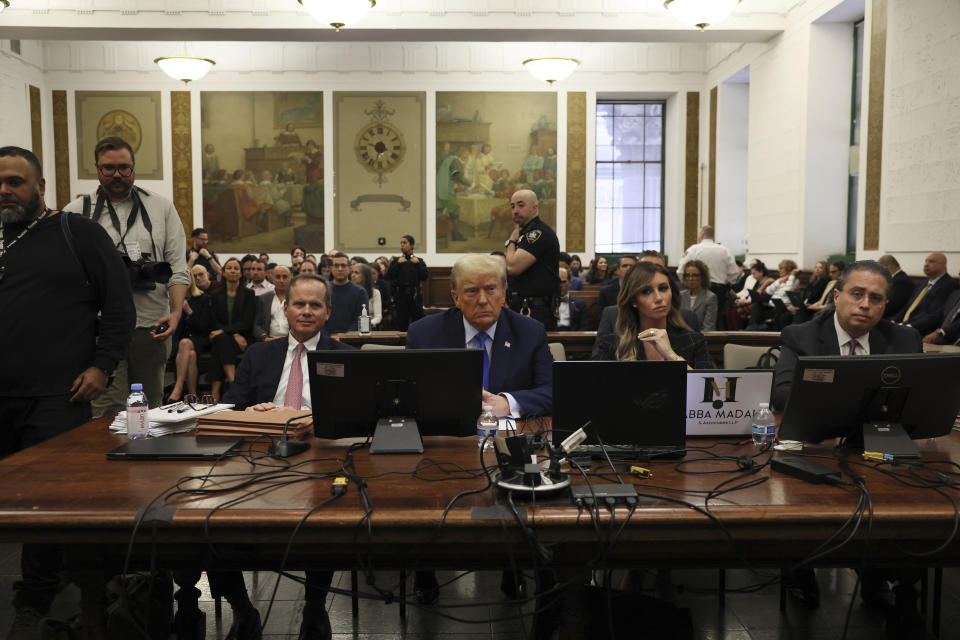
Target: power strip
x=582, y=493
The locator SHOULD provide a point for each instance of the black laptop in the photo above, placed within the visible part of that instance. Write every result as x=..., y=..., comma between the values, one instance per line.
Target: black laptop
x=796, y=298
x=174, y=448
x=635, y=408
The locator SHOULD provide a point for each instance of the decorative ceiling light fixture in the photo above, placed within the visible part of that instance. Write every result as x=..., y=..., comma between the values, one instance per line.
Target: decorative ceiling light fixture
x=551, y=70
x=185, y=68
x=700, y=13
x=338, y=13
x=4, y=4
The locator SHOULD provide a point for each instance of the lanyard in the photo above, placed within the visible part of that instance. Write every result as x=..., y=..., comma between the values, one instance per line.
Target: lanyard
x=136, y=207
x=4, y=247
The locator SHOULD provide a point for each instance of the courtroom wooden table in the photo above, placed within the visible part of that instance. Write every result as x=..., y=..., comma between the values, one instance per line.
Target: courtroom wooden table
x=64, y=490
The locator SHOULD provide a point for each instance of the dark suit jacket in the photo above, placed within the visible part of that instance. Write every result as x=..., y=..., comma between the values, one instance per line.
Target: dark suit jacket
x=819, y=338
x=258, y=375
x=579, y=319
x=608, y=326
x=608, y=294
x=244, y=308
x=261, y=319
x=900, y=290
x=950, y=322
x=520, y=364
x=576, y=284
x=927, y=316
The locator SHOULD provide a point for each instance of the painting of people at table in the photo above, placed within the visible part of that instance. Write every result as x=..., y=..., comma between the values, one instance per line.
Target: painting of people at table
x=262, y=168
x=489, y=145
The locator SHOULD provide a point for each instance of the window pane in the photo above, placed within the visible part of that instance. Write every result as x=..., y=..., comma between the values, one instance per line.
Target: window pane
x=654, y=110
x=628, y=138
x=653, y=139
x=628, y=109
x=629, y=184
x=651, y=185
x=604, y=109
x=604, y=139
x=605, y=184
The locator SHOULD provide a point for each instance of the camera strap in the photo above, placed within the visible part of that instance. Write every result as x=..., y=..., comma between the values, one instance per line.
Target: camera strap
x=137, y=207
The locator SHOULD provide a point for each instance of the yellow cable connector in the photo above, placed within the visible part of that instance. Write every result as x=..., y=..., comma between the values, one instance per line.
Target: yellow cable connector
x=641, y=472
x=339, y=486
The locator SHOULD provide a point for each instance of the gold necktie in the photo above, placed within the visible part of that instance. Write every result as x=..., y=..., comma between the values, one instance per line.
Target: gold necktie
x=916, y=301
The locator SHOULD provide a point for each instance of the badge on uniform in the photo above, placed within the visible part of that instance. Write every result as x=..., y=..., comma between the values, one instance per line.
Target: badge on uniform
x=533, y=236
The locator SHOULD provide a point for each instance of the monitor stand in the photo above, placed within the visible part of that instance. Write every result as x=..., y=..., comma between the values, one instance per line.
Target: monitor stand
x=396, y=435
x=888, y=438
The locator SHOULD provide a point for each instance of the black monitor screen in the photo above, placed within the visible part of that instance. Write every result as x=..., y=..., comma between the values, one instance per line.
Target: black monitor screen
x=833, y=396
x=637, y=403
x=439, y=388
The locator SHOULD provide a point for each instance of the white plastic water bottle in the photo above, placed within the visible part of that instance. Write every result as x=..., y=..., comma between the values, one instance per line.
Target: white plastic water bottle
x=137, y=412
x=364, y=320
x=486, y=426
x=764, y=425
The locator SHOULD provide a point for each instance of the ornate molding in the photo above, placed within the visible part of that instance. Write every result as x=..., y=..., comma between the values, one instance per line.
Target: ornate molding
x=878, y=65
x=61, y=148
x=36, y=130
x=576, y=171
x=691, y=183
x=712, y=175
x=182, y=157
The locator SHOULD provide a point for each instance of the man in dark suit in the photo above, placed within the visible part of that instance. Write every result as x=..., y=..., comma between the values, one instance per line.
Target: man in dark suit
x=573, y=311
x=270, y=320
x=519, y=376
x=608, y=294
x=576, y=284
x=274, y=374
x=925, y=308
x=949, y=330
x=901, y=287
x=856, y=327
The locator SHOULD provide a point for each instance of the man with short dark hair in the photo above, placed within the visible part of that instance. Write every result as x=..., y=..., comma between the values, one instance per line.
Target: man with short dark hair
x=572, y=311
x=270, y=321
x=608, y=294
x=532, y=253
x=901, y=287
x=141, y=224
x=199, y=254
x=407, y=272
x=564, y=260
x=66, y=322
x=258, y=278
x=246, y=266
x=348, y=298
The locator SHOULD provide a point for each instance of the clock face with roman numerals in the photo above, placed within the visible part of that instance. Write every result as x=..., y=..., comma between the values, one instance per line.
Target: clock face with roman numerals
x=380, y=147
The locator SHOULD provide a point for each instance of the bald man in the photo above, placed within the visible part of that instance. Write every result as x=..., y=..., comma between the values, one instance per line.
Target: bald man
x=925, y=309
x=533, y=262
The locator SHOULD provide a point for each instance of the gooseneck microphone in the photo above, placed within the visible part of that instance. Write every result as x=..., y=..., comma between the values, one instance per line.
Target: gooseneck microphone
x=284, y=447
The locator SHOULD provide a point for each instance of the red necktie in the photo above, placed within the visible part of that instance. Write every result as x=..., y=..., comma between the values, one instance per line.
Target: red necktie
x=294, y=396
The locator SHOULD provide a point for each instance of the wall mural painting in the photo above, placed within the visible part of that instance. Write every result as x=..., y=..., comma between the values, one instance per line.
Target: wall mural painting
x=262, y=166
x=131, y=115
x=488, y=146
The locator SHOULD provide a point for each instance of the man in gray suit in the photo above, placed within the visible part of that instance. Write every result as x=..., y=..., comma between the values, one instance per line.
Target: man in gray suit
x=270, y=323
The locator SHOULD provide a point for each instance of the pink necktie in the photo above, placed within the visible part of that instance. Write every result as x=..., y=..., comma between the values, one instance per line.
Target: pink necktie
x=853, y=348
x=294, y=395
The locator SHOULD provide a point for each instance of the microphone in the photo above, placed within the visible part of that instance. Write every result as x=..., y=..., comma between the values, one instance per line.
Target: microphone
x=568, y=446
x=284, y=447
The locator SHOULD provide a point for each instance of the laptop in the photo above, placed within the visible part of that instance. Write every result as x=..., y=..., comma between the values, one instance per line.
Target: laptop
x=722, y=402
x=796, y=298
x=174, y=448
x=635, y=409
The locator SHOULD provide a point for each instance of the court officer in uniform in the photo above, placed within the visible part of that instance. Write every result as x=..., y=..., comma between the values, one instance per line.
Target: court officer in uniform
x=533, y=262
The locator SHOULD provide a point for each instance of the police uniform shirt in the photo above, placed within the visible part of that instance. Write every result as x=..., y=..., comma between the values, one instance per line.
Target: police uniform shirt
x=541, y=278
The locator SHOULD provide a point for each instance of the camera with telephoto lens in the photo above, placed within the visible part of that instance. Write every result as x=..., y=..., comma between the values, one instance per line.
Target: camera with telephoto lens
x=145, y=273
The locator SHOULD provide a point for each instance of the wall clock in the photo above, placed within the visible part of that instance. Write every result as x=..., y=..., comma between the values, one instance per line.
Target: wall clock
x=379, y=144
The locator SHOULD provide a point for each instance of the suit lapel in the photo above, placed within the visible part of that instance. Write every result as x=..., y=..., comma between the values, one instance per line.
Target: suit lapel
x=499, y=361
x=878, y=340
x=453, y=332
x=829, y=342
x=274, y=365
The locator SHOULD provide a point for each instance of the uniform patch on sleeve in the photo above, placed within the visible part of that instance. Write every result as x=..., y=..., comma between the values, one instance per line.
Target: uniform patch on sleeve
x=533, y=236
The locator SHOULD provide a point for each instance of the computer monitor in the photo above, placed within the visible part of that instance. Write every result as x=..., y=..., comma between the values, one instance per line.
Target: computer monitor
x=634, y=407
x=396, y=396
x=875, y=402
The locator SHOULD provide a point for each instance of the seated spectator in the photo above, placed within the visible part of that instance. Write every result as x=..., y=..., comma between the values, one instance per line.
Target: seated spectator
x=826, y=297
x=234, y=307
x=576, y=284
x=361, y=274
x=295, y=262
x=925, y=308
x=697, y=296
x=649, y=324
x=326, y=264
x=760, y=283
x=308, y=267
x=348, y=298
x=608, y=294
x=195, y=326
x=298, y=251
x=900, y=289
x=258, y=278
x=598, y=271
x=748, y=282
x=572, y=312
x=575, y=265
x=949, y=330
x=766, y=316
x=270, y=320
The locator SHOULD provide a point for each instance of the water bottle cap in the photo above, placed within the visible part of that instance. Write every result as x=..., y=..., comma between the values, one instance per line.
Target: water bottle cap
x=136, y=386
x=488, y=407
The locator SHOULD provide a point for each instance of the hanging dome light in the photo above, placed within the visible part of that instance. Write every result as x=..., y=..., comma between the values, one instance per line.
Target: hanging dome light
x=551, y=70
x=185, y=68
x=338, y=13
x=700, y=13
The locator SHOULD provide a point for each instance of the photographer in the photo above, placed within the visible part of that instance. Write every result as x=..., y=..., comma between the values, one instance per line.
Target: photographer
x=148, y=234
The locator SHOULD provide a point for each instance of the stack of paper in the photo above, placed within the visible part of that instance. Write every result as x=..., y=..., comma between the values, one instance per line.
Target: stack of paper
x=255, y=423
x=163, y=422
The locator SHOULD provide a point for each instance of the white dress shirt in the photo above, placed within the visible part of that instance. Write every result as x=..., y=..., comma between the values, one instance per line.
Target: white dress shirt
x=260, y=288
x=278, y=319
x=470, y=334
x=843, y=338
x=723, y=268
x=309, y=345
x=564, y=310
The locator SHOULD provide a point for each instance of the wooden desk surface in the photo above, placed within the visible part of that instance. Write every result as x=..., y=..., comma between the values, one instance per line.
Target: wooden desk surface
x=65, y=490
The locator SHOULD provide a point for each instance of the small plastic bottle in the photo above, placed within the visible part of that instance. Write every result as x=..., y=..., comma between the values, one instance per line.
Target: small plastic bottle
x=764, y=426
x=486, y=426
x=364, y=320
x=137, y=412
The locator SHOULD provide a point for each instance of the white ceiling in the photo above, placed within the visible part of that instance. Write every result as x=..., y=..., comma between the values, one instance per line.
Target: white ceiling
x=594, y=21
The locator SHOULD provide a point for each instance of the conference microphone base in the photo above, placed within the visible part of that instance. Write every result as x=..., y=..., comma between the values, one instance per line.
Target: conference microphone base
x=547, y=484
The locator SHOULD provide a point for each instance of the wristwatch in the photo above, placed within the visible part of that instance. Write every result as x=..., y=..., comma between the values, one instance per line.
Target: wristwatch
x=508, y=243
